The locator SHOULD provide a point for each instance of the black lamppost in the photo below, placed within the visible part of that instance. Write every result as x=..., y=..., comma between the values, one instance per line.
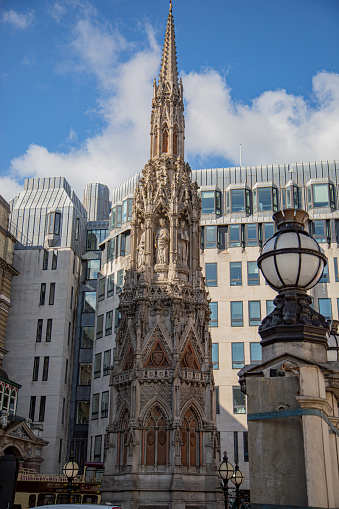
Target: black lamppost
x=70, y=470
x=237, y=479
x=226, y=471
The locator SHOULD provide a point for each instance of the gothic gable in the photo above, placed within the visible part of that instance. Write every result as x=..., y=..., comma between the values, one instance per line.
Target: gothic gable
x=189, y=336
x=154, y=347
x=188, y=358
x=157, y=357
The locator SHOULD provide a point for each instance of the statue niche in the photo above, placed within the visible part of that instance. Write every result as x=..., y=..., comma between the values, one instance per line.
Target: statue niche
x=141, y=247
x=162, y=243
x=183, y=244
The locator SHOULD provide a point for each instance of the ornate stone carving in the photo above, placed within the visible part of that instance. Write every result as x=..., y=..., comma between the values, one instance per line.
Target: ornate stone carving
x=162, y=241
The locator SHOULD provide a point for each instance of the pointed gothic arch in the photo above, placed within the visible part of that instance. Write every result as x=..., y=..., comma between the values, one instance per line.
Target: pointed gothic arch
x=191, y=438
x=155, y=436
x=165, y=139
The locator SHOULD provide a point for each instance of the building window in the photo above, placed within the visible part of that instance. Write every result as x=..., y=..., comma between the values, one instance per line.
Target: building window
x=238, y=359
x=325, y=308
x=318, y=230
x=117, y=320
x=235, y=274
x=77, y=229
x=55, y=260
x=85, y=374
x=120, y=280
x=45, y=369
x=49, y=330
x=82, y=415
x=269, y=307
x=222, y=237
x=110, y=285
x=238, y=200
x=45, y=260
x=100, y=326
x=236, y=314
x=107, y=362
x=97, y=365
x=235, y=235
x=66, y=371
x=39, y=330
x=42, y=294
x=252, y=274
x=324, y=277
x=239, y=401
x=89, y=302
x=71, y=301
x=69, y=333
x=109, y=323
x=246, y=456
x=211, y=274
x=210, y=236
x=256, y=353
x=265, y=198
x=93, y=267
x=42, y=408
x=215, y=355
x=95, y=406
x=104, y=404
x=101, y=290
x=95, y=237
x=51, y=294
x=118, y=216
x=211, y=202
x=254, y=313
x=252, y=235
x=54, y=223
x=127, y=210
x=87, y=337
x=32, y=404
x=110, y=246
x=97, y=448
x=322, y=194
x=293, y=197
x=60, y=450
x=217, y=400
x=235, y=446
x=214, y=314
x=36, y=369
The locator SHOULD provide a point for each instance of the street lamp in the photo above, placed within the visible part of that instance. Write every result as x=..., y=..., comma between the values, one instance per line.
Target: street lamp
x=70, y=470
x=292, y=262
x=237, y=479
x=225, y=471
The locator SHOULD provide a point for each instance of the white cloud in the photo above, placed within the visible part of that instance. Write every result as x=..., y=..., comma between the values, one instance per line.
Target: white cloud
x=72, y=136
x=17, y=19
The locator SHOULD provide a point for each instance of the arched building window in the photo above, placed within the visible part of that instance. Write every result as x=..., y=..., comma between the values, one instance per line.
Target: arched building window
x=190, y=440
x=12, y=405
x=165, y=139
x=155, y=438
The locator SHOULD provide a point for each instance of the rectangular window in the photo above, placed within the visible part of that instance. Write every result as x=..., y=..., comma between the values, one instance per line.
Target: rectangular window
x=95, y=406
x=36, y=369
x=222, y=237
x=101, y=290
x=237, y=200
x=97, y=448
x=66, y=371
x=239, y=401
x=252, y=274
x=254, y=313
x=51, y=294
x=55, y=260
x=236, y=446
x=42, y=294
x=63, y=410
x=39, y=330
x=234, y=232
x=110, y=285
x=245, y=435
x=87, y=337
x=269, y=306
x=214, y=314
x=107, y=362
x=71, y=302
x=210, y=237
x=45, y=260
x=118, y=216
x=215, y=355
x=252, y=236
x=256, y=353
x=93, y=267
x=74, y=263
x=60, y=449
x=49, y=330
x=217, y=401
x=325, y=308
x=318, y=230
x=235, y=274
x=117, y=320
x=82, y=416
x=97, y=365
x=100, y=326
x=77, y=229
x=45, y=369
x=324, y=277
x=111, y=249
x=85, y=374
x=268, y=231
x=208, y=202
x=32, y=408
x=265, y=198
x=237, y=314
x=89, y=302
x=69, y=333
x=109, y=323
x=320, y=195
x=120, y=280
x=238, y=359
x=42, y=408
x=211, y=274
x=336, y=273
x=104, y=404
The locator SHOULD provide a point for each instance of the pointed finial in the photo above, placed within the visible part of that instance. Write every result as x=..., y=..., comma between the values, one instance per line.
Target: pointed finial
x=170, y=6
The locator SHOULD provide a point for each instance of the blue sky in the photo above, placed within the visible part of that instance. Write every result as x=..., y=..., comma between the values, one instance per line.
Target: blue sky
x=76, y=84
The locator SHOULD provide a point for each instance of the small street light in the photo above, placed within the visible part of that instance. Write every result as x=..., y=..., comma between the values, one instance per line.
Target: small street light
x=70, y=470
x=237, y=479
x=225, y=471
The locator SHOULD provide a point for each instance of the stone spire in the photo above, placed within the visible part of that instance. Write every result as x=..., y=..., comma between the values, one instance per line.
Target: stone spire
x=167, y=118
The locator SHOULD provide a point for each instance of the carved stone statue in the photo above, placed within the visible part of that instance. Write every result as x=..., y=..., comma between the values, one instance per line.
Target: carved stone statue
x=141, y=247
x=162, y=241
x=183, y=244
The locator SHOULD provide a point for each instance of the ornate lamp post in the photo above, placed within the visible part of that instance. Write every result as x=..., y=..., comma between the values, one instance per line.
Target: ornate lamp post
x=70, y=470
x=225, y=471
x=237, y=479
